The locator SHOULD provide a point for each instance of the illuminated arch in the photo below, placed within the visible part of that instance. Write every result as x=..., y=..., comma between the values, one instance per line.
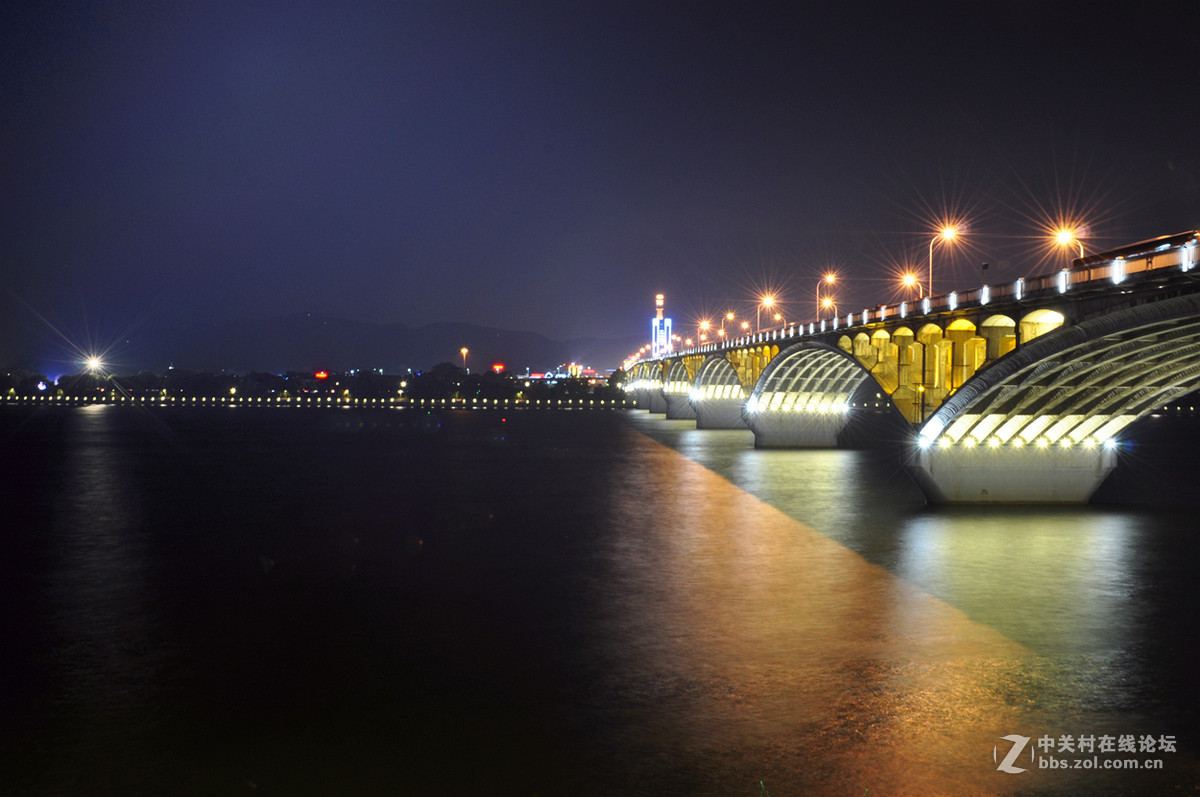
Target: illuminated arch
x=1038, y=323
x=1000, y=333
x=809, y=377
x=1079, y=385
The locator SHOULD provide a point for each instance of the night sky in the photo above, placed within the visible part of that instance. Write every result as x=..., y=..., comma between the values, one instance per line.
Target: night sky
x=552, y=166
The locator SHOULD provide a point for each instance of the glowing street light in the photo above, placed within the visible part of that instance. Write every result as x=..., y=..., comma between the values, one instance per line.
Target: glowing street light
x=829, y=279
x=94, y=364
x=767, y=302
x=829, y=304
x=910, y=281
x=463, y=351
x=947, y=233
x=1068, y=237
x=728, y=317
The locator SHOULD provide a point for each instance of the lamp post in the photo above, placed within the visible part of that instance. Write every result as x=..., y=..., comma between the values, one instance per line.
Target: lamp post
x=828, y=279
x=947, y=233
x=1067, y=237
x=829, y=304
x=728, y=317
x=767, y=302
x=911, y=281
x=463, y=351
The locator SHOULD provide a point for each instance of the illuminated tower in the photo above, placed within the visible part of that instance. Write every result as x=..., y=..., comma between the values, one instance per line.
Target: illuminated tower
x=660, y=330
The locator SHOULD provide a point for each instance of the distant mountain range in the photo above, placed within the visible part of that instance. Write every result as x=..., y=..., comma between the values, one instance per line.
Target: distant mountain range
x=304, y=342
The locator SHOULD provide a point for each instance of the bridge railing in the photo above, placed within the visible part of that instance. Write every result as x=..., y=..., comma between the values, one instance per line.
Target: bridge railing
x=1094, y=272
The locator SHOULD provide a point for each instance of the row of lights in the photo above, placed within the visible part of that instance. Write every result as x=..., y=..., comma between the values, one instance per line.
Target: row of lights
x=1108, y=444
x=1063, y=237
x=329, y=401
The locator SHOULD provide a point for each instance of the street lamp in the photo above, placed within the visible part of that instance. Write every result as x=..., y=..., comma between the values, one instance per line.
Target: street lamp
x=1067, y=237
x=463, y=352
x=947, y=233
x=728, y=317
x=829, y=279
x=767, y=302
x=910, y=281
x=828, y=304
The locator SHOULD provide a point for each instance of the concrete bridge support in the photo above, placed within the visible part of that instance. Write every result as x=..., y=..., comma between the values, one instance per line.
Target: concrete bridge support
x=720, y=413
x=796, y=429
x=981, y=474
x=679, y=407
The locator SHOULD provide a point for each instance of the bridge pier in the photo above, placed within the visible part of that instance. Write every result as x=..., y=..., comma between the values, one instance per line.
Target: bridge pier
x=796, y=429
x=679, y=407
x=1018, y=475
x=720, y=413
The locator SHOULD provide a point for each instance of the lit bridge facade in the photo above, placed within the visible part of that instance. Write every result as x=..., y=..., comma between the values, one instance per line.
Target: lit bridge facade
x=1008, y=393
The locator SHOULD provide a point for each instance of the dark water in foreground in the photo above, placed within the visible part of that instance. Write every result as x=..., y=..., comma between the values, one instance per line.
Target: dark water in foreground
x=246, y=601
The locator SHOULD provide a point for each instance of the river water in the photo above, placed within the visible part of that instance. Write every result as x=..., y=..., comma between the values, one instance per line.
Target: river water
x=287, y=601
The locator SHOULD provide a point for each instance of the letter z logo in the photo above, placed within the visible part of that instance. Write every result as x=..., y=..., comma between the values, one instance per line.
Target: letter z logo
x=1018, y=745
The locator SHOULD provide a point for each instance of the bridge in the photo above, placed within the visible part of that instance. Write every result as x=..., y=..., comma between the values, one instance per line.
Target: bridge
x=1014, y=392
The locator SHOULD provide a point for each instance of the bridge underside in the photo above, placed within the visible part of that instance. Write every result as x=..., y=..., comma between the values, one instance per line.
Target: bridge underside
x=979, y=475
x=1040, y=425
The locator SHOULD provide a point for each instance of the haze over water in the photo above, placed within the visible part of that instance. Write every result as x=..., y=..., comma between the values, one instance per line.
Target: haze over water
x=318, y=602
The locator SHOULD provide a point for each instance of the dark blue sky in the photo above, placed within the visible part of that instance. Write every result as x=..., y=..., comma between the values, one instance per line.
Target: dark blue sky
x=552, y=166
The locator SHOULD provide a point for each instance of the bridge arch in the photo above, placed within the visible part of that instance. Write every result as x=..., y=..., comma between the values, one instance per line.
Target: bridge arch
x=1000, y=332
x=645, y=381
x=718, y=395
x=803, y=398
x=1040, y=424
x=1039, y=322
x=677, y=390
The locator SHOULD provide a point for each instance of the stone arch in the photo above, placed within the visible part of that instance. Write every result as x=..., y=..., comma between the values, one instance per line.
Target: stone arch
x=886, y=369
x=864, y=352
x=908, y=372
x=1001, y=335
x=1038, y=323
x=845, y=344
x=933, y=374
x=967, y=353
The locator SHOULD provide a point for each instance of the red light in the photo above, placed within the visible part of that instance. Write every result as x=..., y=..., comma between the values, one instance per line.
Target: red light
x=498, y=367
x=321, y=374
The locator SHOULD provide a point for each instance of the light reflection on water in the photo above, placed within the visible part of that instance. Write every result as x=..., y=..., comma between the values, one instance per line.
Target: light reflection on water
x=998, y=620
x=102, y=609
x=559, y=603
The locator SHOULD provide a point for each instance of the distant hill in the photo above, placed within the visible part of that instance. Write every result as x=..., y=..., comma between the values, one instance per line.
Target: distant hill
x=306, y=341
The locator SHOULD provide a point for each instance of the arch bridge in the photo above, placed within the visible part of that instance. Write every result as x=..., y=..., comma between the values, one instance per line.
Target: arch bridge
x=1013, y=392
